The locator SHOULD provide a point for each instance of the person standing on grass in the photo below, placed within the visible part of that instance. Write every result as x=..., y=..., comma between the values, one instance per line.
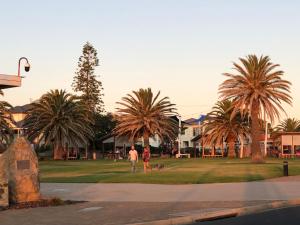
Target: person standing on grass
x=146, y=159
x=134, y=158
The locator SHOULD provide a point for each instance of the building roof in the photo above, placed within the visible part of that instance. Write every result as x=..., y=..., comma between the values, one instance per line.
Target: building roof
x=20, y=109
x=281, y=133
x=196, y=138
x=193, y=121
x=19, y=124
x=105, y=137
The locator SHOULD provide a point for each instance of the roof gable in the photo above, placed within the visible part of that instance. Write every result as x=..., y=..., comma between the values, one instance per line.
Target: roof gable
x=20, y=109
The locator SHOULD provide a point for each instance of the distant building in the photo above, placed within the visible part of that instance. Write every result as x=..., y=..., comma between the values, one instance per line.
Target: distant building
x=19, y=114
x=191, y=129
x=112, y=143
x=286, y=143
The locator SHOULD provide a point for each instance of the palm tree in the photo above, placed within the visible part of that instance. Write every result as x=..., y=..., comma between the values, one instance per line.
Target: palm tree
x=289, y=125
x=59, y=118
x=256, y=88
x=144, y=115
x=219, y=126
x=6, y=134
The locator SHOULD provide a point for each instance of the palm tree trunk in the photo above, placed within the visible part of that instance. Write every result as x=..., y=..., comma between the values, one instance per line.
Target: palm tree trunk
x=242, y=148
x=58, y=152
x=231, y=150
x=256, y=153
x=146, y=139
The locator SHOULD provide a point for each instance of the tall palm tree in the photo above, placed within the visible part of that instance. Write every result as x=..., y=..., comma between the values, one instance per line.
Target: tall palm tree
x=219, y=126
x=144, y=115
x=289, y=125
x=256, y=88
x=6, y=134
x=59, y=118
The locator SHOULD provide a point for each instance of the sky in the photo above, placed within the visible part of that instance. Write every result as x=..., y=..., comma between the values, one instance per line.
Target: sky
x=178, y=47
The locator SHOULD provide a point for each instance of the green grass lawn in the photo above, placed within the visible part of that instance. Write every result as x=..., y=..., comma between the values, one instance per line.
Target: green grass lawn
x=176, y=171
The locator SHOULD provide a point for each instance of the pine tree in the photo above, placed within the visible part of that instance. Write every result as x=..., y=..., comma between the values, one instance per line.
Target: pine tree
x=85, y=80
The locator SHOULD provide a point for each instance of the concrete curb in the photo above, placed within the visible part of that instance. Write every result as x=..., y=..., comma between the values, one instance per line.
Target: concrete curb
x=222, y=214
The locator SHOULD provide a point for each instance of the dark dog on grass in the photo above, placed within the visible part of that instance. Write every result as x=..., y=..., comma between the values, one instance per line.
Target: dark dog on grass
x=158, y=166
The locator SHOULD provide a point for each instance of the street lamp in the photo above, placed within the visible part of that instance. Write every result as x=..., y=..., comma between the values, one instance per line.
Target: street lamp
x=26, y=67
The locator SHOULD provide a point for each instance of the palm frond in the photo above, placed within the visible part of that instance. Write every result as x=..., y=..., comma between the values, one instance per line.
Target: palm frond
x=142, y=112
x=58, y=118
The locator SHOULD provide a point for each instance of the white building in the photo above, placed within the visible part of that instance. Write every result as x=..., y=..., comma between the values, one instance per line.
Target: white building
x=191, y=129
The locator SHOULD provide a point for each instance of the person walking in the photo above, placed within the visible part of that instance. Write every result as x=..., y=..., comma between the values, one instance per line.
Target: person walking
x=146, y=159
x=134, y=158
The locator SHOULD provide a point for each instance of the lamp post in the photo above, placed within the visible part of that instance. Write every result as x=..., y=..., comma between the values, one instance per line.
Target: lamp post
x=26, y=67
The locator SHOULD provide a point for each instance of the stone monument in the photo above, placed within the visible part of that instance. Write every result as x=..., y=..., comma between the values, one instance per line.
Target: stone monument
x=3, y=182
x=22, y=172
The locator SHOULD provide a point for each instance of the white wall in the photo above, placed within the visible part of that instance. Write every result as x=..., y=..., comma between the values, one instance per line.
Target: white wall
x=188, y=135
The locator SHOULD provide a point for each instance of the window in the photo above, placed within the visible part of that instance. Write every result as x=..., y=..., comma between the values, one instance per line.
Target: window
x=287, y=149
x=297, y=150
x=297, y=147
x=185, y=144
x=195, y=131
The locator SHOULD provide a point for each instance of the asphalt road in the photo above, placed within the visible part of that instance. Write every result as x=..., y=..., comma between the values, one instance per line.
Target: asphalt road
x=286, y=216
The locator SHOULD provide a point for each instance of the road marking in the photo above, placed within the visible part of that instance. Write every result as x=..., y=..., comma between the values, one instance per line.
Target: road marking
x=60, y=190
x=90, y=209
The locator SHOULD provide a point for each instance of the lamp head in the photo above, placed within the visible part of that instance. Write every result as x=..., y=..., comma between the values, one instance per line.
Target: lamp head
x=27, y=67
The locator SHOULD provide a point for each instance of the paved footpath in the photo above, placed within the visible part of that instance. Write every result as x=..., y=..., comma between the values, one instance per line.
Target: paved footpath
x=110, y=204
x=248, y=191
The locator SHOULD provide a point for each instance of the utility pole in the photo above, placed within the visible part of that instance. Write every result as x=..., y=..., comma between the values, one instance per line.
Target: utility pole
x=266, y=135
x=199, y=133
x=179, y=136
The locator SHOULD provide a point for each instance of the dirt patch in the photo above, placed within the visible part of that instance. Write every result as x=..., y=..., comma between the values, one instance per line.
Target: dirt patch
x=41, y=203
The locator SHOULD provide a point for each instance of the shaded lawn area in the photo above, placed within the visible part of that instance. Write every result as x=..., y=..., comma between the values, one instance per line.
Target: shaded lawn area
x=176, y=171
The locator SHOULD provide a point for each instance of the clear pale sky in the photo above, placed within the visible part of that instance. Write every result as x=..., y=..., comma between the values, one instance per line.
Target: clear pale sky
x=179, y=47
